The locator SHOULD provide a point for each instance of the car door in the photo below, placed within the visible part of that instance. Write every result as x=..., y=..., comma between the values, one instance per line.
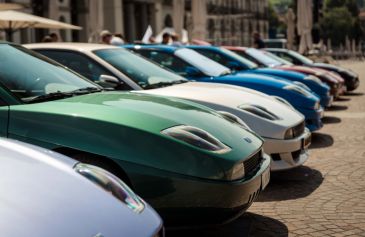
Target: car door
x=4, y=113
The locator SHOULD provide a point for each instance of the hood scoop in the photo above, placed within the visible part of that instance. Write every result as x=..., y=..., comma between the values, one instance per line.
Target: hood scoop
x=259, y=111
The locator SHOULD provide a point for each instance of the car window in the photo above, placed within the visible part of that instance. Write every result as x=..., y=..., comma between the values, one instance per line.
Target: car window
x=285, y=57
x=248, y=57
x=34, y=74
x=166, y=60
x=214, y=56
x=141, y=70
x=77, y=62
x=225, y=60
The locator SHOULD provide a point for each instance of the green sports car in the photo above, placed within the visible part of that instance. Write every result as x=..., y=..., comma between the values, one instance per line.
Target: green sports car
x=183, y=158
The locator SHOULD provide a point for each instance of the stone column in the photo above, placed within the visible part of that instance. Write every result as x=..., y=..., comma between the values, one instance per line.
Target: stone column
x=178, y=15
x=53, y=13
x=118, y=16
x=199, y=13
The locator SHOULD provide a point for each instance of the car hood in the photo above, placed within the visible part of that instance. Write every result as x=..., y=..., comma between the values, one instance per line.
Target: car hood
x=127, y=127
x=230, y=98
x=334, y=68
x=37, y=183
x=314, y=71
x=254, y=78
x=269, y=85
x=292, y=75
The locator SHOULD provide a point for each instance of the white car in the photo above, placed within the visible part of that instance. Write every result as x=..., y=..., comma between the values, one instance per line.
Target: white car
x=44, y=193
x=283, y=128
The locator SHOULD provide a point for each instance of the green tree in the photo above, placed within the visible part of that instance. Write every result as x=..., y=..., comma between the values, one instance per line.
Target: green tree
x=336, y=24
x=341, y=19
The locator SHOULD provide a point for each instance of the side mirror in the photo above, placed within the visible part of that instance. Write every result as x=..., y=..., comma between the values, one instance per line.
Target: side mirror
x=109, y=81
x=192, y=72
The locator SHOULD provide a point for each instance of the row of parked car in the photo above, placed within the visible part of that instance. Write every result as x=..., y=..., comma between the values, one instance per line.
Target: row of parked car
x=193, y=130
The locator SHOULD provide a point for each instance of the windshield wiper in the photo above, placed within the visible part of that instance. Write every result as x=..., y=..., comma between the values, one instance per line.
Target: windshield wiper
x=47, y=97
x=224, y=73
x=159, y=84
x=86, y=90
x=61, y=95
x=179, y=81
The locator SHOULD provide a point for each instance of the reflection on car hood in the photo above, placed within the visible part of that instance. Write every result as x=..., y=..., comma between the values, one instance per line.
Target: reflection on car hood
x=127, y=126
x=42, y=194
x=228, y=98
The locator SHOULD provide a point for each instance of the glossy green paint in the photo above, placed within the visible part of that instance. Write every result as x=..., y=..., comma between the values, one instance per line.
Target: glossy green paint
x=127, y=126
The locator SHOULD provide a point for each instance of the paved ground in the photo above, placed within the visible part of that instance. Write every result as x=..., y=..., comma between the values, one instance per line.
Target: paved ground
x=326, y=197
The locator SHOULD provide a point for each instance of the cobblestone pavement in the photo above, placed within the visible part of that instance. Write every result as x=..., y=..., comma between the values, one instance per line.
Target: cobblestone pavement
x=326, y=196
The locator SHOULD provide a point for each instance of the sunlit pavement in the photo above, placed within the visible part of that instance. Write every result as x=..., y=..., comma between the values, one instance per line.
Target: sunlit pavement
x=325, y=197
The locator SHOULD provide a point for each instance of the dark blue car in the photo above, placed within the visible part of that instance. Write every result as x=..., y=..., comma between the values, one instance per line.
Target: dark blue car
x=237, y=63
x=195, y=66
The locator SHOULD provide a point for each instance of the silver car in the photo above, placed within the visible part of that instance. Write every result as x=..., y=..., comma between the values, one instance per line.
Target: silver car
x=46, y=194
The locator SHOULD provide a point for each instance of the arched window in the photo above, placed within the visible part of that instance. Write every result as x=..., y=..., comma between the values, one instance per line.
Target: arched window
x=168, y=21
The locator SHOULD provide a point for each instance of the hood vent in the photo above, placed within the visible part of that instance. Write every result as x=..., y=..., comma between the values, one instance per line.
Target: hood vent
x=259, y=111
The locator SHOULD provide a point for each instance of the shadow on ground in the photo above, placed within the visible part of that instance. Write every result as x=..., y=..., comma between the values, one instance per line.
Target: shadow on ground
x=354, y=93
x=337, y=107
x=330, y=119
x=340, y=99
x=321, y=140
x=263, y=226
x=291, y=184
x=249, y=224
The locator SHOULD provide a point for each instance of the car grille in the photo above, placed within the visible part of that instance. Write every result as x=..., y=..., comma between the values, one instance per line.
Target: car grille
x=299, y=129
x=252, y=163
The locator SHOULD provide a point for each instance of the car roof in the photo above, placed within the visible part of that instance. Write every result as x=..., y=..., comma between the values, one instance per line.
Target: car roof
x=239, y=48
x=276, y=49
x=71, y=46
x=166, y=48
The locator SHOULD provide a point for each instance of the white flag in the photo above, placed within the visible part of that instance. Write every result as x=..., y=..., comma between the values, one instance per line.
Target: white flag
x=147, y=35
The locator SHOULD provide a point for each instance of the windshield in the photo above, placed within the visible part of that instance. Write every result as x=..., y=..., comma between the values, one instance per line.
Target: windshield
x=264, y=59
x=28, y=74
x=137, y=68
x=301, y=57
x=277, y=58
x=248, y=63
x=204, y=64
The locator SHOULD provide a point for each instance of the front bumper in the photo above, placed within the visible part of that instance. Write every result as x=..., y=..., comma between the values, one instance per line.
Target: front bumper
x=352, y=83
x=288, y=154
x=186, y=201
x=312, y=118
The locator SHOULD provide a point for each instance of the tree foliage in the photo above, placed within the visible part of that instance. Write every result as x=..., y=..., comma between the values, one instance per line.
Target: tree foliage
x=340, y=19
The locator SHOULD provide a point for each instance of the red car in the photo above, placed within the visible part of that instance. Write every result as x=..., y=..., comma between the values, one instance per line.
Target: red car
x=267, y=59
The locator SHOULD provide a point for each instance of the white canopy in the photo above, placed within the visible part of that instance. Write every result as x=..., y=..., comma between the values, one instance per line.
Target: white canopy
x=10, y=6
x=304, y=24
x=14, y=20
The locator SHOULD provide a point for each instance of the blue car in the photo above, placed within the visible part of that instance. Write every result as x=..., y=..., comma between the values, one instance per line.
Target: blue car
x=240, y=64
x=195, y=66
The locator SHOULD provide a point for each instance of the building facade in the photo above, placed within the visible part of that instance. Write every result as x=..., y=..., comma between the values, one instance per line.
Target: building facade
x=230, y=22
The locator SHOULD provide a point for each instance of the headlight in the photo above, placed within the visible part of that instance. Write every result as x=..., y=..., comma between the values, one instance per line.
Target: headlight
x=297, y=90
x=196, y=137
x=237, y=172
x=233, y=119
x=111, y=184
x=289, y=134
x=313, y=78
x=317, y=105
